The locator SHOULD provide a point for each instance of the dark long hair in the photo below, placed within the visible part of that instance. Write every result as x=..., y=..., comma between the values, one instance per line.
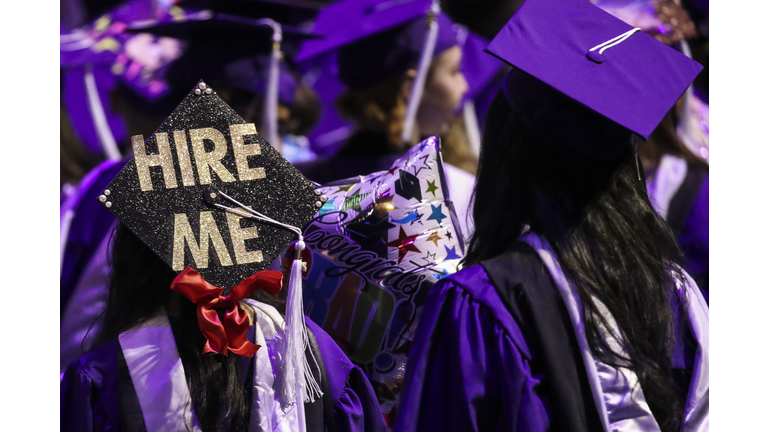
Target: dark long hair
x=610, y=242
x=139, y=286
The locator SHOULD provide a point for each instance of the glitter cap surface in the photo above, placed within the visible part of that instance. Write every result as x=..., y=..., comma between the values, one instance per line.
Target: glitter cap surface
x=203, y=151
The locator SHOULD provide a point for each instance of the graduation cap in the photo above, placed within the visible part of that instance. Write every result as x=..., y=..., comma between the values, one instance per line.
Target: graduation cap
x=376, y=40
x=202, y=157
x=207, y=192
x=234, y=33
x=582, y=79
x=225, y=46
x=290, y=12
x=100, y=55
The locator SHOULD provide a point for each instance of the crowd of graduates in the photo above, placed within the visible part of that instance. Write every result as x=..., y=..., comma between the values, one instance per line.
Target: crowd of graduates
x=574, y=142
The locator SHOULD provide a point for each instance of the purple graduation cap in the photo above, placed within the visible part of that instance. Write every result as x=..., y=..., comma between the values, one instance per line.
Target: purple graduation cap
x=232, y=45
x=582, y=78
x=376, y=40
x=98, y=55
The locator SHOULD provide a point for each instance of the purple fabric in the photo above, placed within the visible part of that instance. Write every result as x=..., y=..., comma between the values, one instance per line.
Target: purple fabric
x=375, y=39
x=331, y=130
x=344, y=22
x=484, y=75
x=369, y=61
x=694, y=239
x=91, y=223
x=91, y=392
x=89, y=397
x=250, y=74
x=355, y=404
x=287, y=12
x=479, y=69
x=103, y=45
x=75, y=99
x=635, y=85
x=468, y=368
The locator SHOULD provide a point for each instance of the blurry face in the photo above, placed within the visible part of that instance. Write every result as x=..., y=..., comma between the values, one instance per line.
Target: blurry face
x=443, y=92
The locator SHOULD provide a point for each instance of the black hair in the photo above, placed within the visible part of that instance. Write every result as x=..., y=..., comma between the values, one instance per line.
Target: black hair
x=610, y=242
x=139, y=285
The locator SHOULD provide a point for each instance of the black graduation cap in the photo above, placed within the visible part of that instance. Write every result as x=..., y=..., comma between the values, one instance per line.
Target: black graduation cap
x=225, y=49
x=290, y=12
x=205, y=156
x=211, y=30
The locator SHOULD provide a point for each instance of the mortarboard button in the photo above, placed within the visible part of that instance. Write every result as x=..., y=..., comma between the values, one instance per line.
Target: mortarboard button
x=595, y=56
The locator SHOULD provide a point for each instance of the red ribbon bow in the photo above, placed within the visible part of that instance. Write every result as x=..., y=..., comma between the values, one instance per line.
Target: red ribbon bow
x=231, y=334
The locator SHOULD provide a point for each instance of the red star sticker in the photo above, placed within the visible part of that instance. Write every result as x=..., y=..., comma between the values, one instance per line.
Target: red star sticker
x=405, y=244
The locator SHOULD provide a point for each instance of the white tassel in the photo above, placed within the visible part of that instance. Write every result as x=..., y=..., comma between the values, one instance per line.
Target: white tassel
x=99, y=117
x=473, y=129
x=298, y=383
x=269, y=116
x=421, y=73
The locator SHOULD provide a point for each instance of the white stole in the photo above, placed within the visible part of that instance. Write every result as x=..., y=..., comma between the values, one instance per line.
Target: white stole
x=665, y=182
x=620, y=401
x=161, y=387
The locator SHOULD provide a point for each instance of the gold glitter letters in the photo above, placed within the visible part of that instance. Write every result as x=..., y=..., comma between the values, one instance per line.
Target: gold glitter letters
x=212, y=160
x=143, y=161
x=182, y=152
x=242, y=151
x=182, y=233
x=239, y=235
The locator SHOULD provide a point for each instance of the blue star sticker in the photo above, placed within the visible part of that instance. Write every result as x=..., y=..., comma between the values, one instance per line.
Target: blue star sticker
x=437, y=214
x=410, y=217
x=451, y=253
x=327, y=207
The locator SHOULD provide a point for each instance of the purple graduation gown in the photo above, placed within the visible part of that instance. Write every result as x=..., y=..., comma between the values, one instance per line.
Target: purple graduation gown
x=97, y=393
x=469, y=367
x=495, y=350
x=90, y=223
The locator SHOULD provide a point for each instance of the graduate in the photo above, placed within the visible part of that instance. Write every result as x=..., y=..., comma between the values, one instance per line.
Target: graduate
x=574, y=311
x=400, y=64
x=197, y=334
x=113, y=85
x=240, y=72
x=675, y=156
